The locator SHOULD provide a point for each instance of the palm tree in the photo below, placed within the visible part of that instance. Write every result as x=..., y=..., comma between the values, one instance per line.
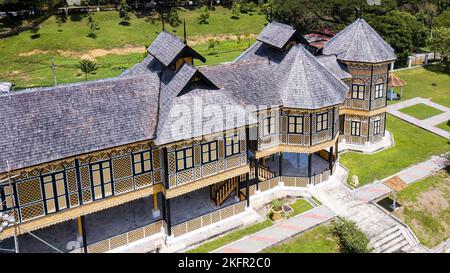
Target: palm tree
x=87, y=66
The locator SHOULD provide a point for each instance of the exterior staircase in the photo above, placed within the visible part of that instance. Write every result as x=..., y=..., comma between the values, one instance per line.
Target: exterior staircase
x=395, y=239
x=221, y=193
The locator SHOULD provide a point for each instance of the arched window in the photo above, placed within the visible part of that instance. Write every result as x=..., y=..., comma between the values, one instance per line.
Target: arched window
x=358, y=89
x=379, y=86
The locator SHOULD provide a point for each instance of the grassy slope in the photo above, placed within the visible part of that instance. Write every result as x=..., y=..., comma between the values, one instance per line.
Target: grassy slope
x=317, y=240
x=55, y=38
x=444, y=126
x=425, y=208
x=421, y=111
x=427, y=84
x=412, y=145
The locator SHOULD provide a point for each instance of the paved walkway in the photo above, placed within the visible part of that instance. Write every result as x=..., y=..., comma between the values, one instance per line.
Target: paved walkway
x=279, y=232
x=427, y=124
x=412, y=174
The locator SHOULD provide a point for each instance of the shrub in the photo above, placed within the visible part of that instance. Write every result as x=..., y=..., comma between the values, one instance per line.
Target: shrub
x=277, y=204
x=351, y=238
x=235, y=10
x=203, y=18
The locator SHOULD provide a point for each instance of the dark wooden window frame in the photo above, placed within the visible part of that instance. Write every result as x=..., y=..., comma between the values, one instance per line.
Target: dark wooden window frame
x=360, y=89
x=353, y=128
x=142, y=162
x=4, y=196
x=233, y=145
x=270, y=126
x=323, y=122
x=102, y=179
x=55, y=191
x=296, y=119
x=379, y=86
x=377, y=127
x=209, y=152
x=184, y=158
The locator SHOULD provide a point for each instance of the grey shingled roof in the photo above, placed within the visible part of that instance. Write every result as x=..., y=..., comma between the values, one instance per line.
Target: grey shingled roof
x=166, y=47
x=359, y=42
x=337, y=68
x=47, y=124
x=276, y=34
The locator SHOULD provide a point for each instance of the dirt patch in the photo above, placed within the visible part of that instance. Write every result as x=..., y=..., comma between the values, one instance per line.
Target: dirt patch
x=197, y=40
x=432, y=201
x=91, y=54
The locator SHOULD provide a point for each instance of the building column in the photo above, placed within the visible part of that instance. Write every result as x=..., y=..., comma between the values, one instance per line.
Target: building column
x=280, y=164
x=257, y=173
x=330, y=160
x=336, y=150
x=309, y=166
x=167, y=217
x=247, y=191
x=81, y=228
x=156, y=212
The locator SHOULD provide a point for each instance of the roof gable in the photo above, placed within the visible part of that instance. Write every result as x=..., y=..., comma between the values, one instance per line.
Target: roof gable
x=278, y=35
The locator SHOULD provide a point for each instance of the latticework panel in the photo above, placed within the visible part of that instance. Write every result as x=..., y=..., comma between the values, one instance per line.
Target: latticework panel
x=185, y=177
x=215, y=216
x=194, y=224
x=118, y=241
x=135, y=235
x=156, y=159
x=172, y=181
x=32, y=211
x=87, y=196
x=73, y=200
x=99, y=247
x=124, y=185
x=209, y=169
x=157, y=176
x=206, y=219
x=143, y=180
x=179, y=229
x=152, y=228
x=122, y=167
x=252, y=189
x=72, y=180
x=171, y=159
x=220, y=143
x=295, y=139
x=239, y=207
x=221, y=165
x=302, y=181
x=233, y=162
x=288, y=181
x=85, y=179
x=264, y=186
x=226, y=212
x=197, y=158
x=29, y=191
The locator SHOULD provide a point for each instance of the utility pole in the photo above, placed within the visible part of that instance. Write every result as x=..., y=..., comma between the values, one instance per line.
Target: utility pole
x=54, y=71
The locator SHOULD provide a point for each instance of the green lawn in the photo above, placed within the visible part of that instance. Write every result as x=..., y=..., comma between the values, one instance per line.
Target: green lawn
x=444, y=125
x=230, y=237
x=425, y=208
x=317, y=240
x=425, y=83
x=421, y=111
x=26, y=61
x=412, y=145
x=300, y=206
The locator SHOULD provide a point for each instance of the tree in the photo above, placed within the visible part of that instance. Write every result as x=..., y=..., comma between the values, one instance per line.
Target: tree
x=443, y=20
x=440, y=43
x=172, y=17
x=235, y=10
x=203, y=17
x=93, y=26
x=124, y=10
x=87, y=66
x=351, y=238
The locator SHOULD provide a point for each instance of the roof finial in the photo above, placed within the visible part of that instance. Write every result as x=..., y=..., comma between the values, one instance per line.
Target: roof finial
x=184, y=29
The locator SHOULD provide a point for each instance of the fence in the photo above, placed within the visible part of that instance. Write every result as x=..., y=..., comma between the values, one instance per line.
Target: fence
x=208, y=219
x=126, y=238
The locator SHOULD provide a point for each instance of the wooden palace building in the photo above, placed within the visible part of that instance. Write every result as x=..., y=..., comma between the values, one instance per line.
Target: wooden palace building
x=168, y=147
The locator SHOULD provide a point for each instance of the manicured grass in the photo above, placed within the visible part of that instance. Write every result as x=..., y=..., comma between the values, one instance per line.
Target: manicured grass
x=425, y=208
x=317, y=240
x=67, y=42
x=444, y=125
x=230, y=237
x=412, y=145
x=425, y=83
x=300, y=206
x=421, y=111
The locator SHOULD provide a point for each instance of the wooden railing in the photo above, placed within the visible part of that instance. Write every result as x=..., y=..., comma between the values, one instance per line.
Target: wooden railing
x=263, y=172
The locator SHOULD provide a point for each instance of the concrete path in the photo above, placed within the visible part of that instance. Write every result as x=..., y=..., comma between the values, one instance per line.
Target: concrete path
x=427, y=124
x=412, y=174
x=279, y=232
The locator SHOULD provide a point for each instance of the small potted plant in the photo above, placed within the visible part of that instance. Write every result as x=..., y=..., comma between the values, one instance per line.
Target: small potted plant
x=277, y=210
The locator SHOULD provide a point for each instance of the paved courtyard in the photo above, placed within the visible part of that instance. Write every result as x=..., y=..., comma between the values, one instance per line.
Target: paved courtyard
x=428, y=124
